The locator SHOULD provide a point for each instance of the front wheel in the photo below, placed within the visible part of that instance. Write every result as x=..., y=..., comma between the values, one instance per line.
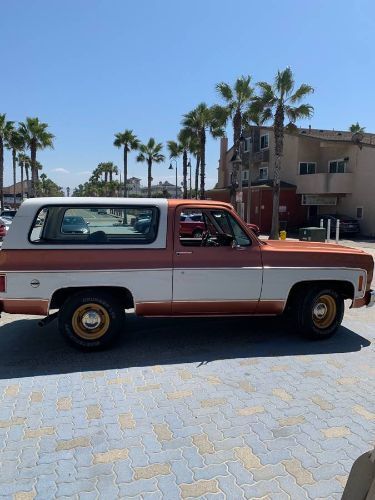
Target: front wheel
x=91, y=320
x=319, y=313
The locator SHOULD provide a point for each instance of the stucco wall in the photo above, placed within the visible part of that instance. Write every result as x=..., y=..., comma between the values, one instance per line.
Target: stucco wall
x=363, y=194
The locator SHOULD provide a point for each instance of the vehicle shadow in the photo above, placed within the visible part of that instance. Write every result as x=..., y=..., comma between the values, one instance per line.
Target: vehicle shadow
x=28, y=350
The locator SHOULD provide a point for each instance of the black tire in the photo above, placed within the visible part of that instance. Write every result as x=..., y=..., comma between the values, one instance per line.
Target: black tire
x=197, y=233
x=319, y=312
x=103, y=307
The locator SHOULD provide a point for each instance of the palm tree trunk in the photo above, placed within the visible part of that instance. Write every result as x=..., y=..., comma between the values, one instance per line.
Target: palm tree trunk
x=33, y=171
x=237, y=126
x=125, y=171
x=1, y=173
x=149, y=178
x=105, y=177
x=110, y=177
x=279, y=146
x=14, y=159
x=196, y=184
x=184, y=174
x=27, y=180
x=203, y=162
x=22, y=191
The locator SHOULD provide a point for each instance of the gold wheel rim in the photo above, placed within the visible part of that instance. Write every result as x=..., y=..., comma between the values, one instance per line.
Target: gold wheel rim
x=90, y=321
x=324, y=311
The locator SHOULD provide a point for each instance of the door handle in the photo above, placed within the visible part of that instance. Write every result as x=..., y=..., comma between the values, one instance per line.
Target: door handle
x=183, y=253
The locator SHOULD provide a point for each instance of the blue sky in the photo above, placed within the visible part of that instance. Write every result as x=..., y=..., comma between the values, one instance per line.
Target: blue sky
x=90, y=68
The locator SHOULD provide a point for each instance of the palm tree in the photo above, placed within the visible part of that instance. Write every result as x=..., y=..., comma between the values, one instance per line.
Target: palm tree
x=276, y=102
x=16, y=144
x=150, y=153
x=355, y=128
x=130, y=142
x=189, y=144
x=36, y=136
x=199, y=121
x=108, y=169
x=175, y=149
x=6, y=128
x=24, y=163
x=236, y=99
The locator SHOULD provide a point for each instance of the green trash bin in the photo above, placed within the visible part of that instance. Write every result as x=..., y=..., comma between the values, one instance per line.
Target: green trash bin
x=312, y=234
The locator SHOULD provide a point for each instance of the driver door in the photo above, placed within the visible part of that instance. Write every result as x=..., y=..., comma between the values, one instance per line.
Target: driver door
x=217, y=280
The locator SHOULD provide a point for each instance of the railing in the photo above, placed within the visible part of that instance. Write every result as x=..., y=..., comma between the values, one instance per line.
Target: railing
x=324, y=183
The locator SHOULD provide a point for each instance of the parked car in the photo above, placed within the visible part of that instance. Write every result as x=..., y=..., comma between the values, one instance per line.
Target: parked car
x=348, y=225
x=4, y=227
x=192, y=225
x=8, y=214
x=90, y=282
x=74, y=225
x=142, y=225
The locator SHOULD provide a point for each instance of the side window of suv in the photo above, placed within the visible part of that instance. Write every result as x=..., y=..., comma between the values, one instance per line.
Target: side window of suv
x=215, y=228
x=91, y=225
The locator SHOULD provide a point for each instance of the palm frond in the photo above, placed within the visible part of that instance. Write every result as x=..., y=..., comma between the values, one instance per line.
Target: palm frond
x=221, y=114
x=243, y=89
x=225, y=91
x=301, y=92
x=296, y=113
x=174, y=148
x=356, y=128
x=284, y=82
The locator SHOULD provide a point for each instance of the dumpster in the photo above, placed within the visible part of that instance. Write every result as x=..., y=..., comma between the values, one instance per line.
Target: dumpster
x=312, y=234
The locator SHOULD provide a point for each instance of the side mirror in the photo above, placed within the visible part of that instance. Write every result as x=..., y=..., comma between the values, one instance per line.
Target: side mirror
x=225, y=240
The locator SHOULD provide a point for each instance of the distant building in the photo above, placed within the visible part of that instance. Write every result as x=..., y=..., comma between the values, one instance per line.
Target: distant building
x=9, y=197
x=164, y=188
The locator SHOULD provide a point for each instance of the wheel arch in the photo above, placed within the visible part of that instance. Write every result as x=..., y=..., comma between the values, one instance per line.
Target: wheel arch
x=344, y=287
x=122, y=294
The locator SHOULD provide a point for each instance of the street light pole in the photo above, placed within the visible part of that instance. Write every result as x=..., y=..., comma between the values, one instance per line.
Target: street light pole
x=171, y=168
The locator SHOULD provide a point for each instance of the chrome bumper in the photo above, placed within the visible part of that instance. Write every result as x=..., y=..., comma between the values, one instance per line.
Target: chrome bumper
x=371, y=301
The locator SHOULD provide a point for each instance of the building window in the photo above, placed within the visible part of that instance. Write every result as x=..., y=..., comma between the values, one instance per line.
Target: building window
x=247, y=144
x=245, y=175
x=359, y=212
x=307, y=168
x=263, y=173
x=264, y=141
x=336, y=167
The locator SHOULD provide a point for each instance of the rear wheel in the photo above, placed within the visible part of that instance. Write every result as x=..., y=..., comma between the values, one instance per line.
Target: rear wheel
x=319, y=313
x=91, y=320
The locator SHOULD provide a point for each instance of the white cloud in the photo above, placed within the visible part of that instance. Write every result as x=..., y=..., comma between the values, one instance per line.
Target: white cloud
x=60, y=170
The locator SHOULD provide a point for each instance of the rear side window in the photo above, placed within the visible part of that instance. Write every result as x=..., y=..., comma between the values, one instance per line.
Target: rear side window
x=95, y=225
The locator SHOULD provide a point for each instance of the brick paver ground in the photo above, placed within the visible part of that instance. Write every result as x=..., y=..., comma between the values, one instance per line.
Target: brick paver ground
x=198, y=408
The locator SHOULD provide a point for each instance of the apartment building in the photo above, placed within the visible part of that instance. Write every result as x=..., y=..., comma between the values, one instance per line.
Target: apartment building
x=323, y=171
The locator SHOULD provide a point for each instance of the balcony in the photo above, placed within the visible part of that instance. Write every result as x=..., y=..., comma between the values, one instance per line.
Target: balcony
x=325, y=183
